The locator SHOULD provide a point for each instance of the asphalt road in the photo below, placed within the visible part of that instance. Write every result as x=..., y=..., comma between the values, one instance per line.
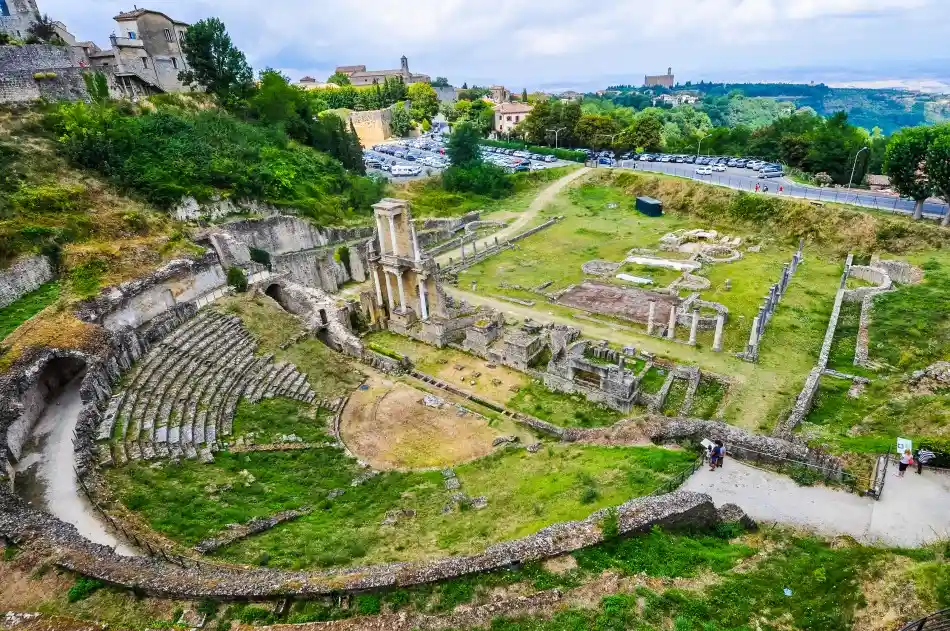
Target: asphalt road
x=746, y=179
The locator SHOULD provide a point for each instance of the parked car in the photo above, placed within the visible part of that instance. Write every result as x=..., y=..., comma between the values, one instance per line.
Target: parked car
x=770, y=173
x=550, y=159
x=719, y=168
x=372, y=164
x=703, y=171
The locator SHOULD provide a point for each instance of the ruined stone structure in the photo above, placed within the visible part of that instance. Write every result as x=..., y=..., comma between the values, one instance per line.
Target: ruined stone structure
x=597, y=371
x=769, y=304
x=373, y=126
x=35, y=71
x=25, y=275
x=17, y=16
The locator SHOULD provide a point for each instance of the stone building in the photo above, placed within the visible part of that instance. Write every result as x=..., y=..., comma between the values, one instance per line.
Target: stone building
x=507, y=115
x=598, y=372
x=146, y=54
x=360, y=76
x=499, y=94
x=372, y=126
x=660, y=80
x=17, y=16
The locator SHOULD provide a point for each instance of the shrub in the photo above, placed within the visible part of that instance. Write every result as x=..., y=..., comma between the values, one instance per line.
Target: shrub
x=237, y=279
x=48, y=199
x=805, y=476
x=610, y=524
x=368, y=605
x=482, y=179
x=86, y=278
x=83, y=588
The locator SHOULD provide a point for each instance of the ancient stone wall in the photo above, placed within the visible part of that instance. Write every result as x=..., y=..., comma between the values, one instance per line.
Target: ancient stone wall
x=138, y=301
x=190, y=209
x=451, y=224
x=313, y=268
x=373, y=126
x=880, y=278
x=25, y=275
x=18, y=522
x=20, y=81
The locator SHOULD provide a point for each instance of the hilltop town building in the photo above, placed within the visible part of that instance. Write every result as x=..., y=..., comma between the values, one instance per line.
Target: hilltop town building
x=499, y=94
x=661, y=80
x=309, y=83
x=507, y=115
x=360, y=76
x=17, y=16
x=146, y=54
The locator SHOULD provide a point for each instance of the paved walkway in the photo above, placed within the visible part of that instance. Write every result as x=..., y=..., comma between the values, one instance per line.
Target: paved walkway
x=520, y=224
x=913, y=510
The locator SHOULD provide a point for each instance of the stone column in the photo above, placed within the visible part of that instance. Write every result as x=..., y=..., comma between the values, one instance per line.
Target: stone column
x=389, y=291
x=785, y=278
x=422, y=299
x=753, y=337
x=402, y=292
x=651, y=319
x=462, y=245
x=417, y=255
x=671, y=331
x=379, y=229
x=717, y=339
x=392, y=235
x=379, y=291
x=694, y=328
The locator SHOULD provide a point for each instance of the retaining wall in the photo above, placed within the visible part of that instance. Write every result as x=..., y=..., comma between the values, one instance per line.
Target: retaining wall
x=880, y=278
x=24, y=276
x=20, y=523
x=20, y=64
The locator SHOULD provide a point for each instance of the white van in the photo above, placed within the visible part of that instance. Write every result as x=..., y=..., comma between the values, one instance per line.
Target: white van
x=405, y=169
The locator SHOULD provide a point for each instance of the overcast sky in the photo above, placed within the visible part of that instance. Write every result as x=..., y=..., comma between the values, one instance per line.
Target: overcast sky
x=570, y=43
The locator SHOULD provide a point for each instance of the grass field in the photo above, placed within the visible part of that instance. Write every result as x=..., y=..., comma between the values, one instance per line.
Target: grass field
x=19, y=311
x=525, y=492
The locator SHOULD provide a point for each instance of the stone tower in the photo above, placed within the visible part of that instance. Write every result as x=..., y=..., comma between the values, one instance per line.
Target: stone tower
x=404, y=68
x=17, y=16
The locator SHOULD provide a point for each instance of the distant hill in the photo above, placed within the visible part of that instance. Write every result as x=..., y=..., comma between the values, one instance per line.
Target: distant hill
x=889, y=109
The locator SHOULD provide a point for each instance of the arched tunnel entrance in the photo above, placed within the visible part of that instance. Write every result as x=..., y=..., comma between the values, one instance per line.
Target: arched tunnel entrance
x=275, y=292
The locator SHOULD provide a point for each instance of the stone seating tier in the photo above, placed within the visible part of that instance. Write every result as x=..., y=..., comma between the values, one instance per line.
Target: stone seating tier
x=181, y=397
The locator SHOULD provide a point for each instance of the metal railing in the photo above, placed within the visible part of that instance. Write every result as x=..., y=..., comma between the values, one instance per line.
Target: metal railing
x=856, y=197
x=939, y=621
x=805, y=471
x=675, y=482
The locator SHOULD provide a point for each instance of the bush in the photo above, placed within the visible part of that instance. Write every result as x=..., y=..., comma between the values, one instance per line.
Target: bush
x=86, y=278
x=805, y=476
x=237, y=279
x=483, y=179
x=84, y=588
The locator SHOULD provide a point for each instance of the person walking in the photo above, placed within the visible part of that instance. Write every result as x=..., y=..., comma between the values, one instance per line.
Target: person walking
x=714, y=456
x=906, y=460
x=780, y=189
x=756, y=187
x=923, y=457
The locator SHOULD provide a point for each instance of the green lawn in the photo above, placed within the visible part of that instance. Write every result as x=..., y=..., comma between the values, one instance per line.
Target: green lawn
x=19, y=311
x=525, y=492
x=708, y=397
x=675, y=397
x=566, y=410
x=271, y=419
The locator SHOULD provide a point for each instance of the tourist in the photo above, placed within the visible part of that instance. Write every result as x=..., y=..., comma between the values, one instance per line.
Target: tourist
x=715, y=456
x=906, y=460
x=757, y=188
x=780, y=189
x=722, y=453
x=923, y=457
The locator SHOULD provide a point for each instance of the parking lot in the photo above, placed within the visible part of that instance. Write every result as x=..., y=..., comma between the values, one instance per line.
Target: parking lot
x=425, y=157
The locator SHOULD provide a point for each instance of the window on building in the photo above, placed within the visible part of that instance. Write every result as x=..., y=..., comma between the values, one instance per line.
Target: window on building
x=181, y=35
x=517, y=118
x=131, y=34
x=507, y=118
x=168, y=35
x=145, y=62
x=4, y=10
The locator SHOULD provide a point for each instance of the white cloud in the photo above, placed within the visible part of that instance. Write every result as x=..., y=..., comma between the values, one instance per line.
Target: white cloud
x=566, y=41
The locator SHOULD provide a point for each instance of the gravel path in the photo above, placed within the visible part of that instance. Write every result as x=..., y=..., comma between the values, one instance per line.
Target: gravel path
x=913, y=510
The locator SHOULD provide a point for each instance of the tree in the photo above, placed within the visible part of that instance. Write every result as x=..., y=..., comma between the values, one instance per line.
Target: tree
x=938, y=165
x=440, y=82
x=465, y=85
x=904, y=163
x=524, y=95
x=43, y=29
x=424, y=102
x=645, y=133
x=339, y=79
x=462, y=147
x=275, y=100
x=401, y=120
x=214, y=62
x=593, y=130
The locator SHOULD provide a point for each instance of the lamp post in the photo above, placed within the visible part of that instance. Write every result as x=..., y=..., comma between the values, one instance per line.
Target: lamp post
x=556, y=132
x=700, y=143
x=855, y=167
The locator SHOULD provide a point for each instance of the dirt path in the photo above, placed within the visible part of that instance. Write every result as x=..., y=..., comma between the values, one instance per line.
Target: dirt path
x=544, y=198
x=913, y=510
x=46, y=475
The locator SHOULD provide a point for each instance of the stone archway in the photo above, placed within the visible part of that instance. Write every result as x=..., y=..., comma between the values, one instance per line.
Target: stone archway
x=275, y=292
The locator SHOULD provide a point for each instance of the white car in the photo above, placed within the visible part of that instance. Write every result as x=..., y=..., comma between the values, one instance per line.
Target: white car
x=703, y=171
x=720, y=168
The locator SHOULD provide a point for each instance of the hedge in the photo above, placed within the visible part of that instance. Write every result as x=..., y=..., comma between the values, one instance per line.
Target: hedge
x=563, y=154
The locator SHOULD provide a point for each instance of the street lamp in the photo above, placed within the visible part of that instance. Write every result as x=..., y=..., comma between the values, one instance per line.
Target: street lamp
x=556, y=132
x=855, y=167
x=700, y=143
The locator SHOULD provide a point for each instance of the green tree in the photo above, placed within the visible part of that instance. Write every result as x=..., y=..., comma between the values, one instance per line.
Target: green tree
x=214, y=62
x=594, y=130
x=462, y=147
x=465, y=85
x=440, y=82
x=645, y=133
x=237, y=279
x=401, y=121
x=43, y=29
x=339, y=79
x=524, y=95
x=904, y=163
x=424, y=102
x=275, y=101
x=938, y=165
